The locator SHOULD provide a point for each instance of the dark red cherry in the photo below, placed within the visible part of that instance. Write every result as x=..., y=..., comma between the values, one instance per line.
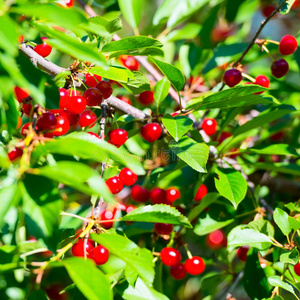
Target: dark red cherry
x=216, y=239
x=172, y=194
x=20, y=94
x=91, y=79
x=105, y=88
x=83, y=248
x=75, y=104
x=114, y=184
x=118, y=137
x=297, y=269
x=267, y=10
x=14, y=154
x=209, y=126
x=279, y=68
x=242, y=252
x=46, y=122
x=146, y=98
x=87, y=118
x=93, y=97
x=224, y=135
x=62, y=126
x=100, y=255
x=73, y=118
x=201, y=192
x=170, y=256
x=139, y=194
x=163, y=229
x=158, y=196
x=194, y=265
x=128, y=177
x=178, y=272
x=288, y=45
x=151, y=132
x=27, y=109
x=232, y=77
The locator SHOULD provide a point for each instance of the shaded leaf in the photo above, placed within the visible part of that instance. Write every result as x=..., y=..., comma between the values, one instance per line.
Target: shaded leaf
x=132, y=11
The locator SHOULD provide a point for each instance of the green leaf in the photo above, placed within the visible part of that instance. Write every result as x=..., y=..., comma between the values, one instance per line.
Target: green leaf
x=92, y=283
x=172, y=73
x=281, y=218
x=240, y=237
x=139, y=52
x=101, y=26
x=255, y=280
x=139, y=259
x=161, y=90
x=159, y=213
x=192, y=153
x=262, y=226
x=38, y=295
x=286, y=7
x=138, y=84
x=132, y=11
x=275, y=149
x=231, y=185
x=113, y=73
x=282, y=167
x=78, y=176
x=132, y=43
x=290, y=257
x=8, y=35
x=189, y=31
x=4, y=160
x=209, y=224
x=276, y=281
x=142, y=291
x=86, y=146
x=177, y=126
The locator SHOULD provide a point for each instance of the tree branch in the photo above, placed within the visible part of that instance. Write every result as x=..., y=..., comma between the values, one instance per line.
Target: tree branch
x=262, y=25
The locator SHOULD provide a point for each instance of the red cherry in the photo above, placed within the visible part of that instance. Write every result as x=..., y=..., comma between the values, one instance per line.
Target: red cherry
x=151, y=132
x=128, y=177
x=178, y=272
x=158, y=196
x=279, y=68
x=172, y=194
x=297, y=269
x=93, y=97
x=216, y=239
x=114, y=184
x=81, y=248
x=130, y=208
x=108, y=215
x=277, y=136
x=14, y=154
x=91, y=80
x=87, y=118
x=25, y=128
x=267, y=10
x=43, y=49
x=288, y=45
x=125, y=99
x=46, y=122
x=201, y=192
x=100, y=255
x=69, y=3
x=93, y=134
x=139, y=194
x=162, y=228
x=62, y=126
x=53, y=292
x=242, y=252
x=170, y=256
x=27, y=109
x=232, y=77
x=75, y=104
x=20, y=94
x=129, y=62
x=209, y=126
x=105, y=88
x=263, y=81
x=118, y=137
x=194, y=265
x=146, y=98
x=72, y=118
x=224, y=135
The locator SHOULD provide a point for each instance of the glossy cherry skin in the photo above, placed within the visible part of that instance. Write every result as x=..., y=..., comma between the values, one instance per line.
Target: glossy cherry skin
x=125, y=99
x=209, y=126
x=194, y=265
x=129, y=62
x=279, y=68
x=73, y=118
x=118, y=137
x=201, y=192
x=146, y=98
x=20, y=94
x=216, y=239
x=27, y=109
x=93, y=97
x=178, y=272
x=241, y=252
x=107, y=215
x=92, y=80
x=87, y=118
x=75, y=104
x=288, y=45
x=297, y=269
x=172, y=194
x=232, y=77
x=105, y=88
x=162, y=228
x=128, y=177
x=64, y=95
x=151, y=132
x=139, y=194
x=114, y=184
x=267, y=10
x=262, y=80
x=80, y=249
x=43, y=49
x=170, y=256
x=14, y=154
x=100, y=255
x=158, y=196
x=46, y=122
x=62, y=126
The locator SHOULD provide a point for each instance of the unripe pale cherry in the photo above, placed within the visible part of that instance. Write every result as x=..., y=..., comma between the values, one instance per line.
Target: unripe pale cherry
x=194, y=265
x=118, y=137
x=232, y=77
x=151, y=132
x=209, y=126
x=170, y=256
x=279, y=68
x=288, y=45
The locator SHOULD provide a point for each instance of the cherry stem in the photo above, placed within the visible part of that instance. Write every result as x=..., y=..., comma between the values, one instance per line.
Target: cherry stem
x=273, y=42
x=267, y=50
x=248, y=77
x=188, y=252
